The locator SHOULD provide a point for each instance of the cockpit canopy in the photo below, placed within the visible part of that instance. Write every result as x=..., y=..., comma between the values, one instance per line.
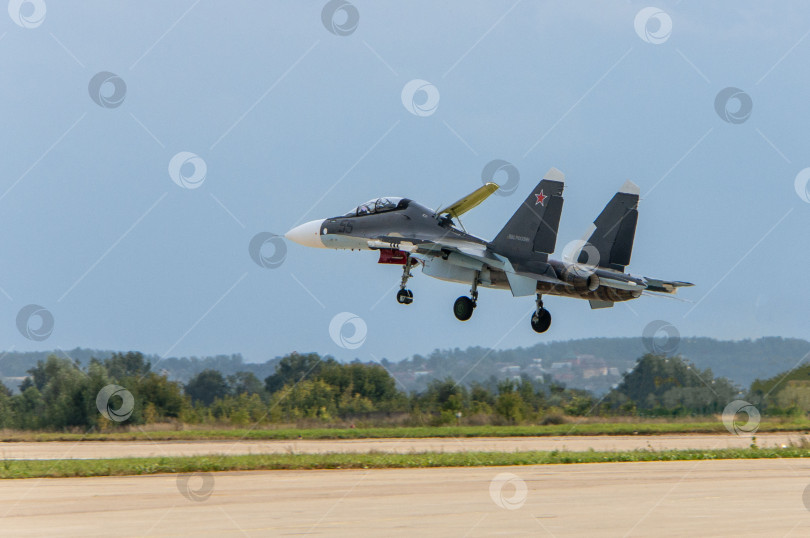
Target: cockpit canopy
x=379, y=205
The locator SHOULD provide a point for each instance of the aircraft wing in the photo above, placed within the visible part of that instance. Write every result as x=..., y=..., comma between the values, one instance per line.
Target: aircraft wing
x=476, y=256
x=471, y=250
x=470, y=201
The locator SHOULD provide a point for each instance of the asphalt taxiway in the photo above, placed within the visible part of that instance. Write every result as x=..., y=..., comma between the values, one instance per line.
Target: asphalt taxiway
x=686, y=498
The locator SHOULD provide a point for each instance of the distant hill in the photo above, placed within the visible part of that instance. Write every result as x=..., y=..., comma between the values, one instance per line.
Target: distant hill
x=14, y=365
x=740, y=361
x=593, y=363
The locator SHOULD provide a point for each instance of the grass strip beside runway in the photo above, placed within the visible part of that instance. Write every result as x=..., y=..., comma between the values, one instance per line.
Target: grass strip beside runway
x=288, y=434
x=143, y=466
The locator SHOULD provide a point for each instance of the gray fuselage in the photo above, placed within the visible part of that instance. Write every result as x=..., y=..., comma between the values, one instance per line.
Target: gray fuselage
x=418, y=230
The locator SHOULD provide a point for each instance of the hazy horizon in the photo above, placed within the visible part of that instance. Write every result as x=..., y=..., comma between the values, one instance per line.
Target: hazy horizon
x=65, y=352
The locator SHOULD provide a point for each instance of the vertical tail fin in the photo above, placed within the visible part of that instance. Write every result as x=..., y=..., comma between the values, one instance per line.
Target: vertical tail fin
x=531, y=233
x=614, y=230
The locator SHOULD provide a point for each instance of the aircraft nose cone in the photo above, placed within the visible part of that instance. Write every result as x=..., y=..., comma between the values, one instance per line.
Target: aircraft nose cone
x=307, y=234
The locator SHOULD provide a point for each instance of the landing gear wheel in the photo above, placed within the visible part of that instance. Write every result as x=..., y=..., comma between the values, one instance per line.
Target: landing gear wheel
x=404, y=296
x=463, y=308
x=541, y=320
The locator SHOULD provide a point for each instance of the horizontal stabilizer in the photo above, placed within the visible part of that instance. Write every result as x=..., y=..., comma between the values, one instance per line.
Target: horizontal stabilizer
x=665, y=286
x=665, y=296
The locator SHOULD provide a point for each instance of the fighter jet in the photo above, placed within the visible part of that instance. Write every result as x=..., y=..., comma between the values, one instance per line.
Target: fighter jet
x=517, y=259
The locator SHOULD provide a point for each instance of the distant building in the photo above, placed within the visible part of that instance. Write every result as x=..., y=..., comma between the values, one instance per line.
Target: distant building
x=591, y=366
x=593, y=372
x=564, y=376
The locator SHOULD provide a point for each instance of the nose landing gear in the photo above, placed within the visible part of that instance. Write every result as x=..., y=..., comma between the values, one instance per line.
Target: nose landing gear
x=541, y=319
x=405, y=296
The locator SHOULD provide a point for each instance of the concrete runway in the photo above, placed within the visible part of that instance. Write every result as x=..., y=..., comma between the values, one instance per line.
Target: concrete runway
x=120, y=449
x=702, y=498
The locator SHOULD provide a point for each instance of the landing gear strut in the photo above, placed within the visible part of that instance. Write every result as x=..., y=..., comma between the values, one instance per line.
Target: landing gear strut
x=405, y=296
x=464, y=306
x=541, y=319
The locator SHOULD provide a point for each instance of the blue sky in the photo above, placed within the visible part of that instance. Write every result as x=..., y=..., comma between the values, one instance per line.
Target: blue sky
x=294, y=122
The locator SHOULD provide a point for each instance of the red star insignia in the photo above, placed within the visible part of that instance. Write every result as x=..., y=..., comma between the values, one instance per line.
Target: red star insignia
x=540, y=198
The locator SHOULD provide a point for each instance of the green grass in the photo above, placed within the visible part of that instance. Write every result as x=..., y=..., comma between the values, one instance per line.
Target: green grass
x=585, y=428
x=142, y=466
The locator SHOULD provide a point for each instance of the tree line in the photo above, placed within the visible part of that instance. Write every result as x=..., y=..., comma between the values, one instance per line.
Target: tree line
x=62, y=394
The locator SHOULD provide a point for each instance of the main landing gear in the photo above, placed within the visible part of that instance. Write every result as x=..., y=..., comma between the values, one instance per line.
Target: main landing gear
x=464, y=306
x=405, y=296
x=541, y=319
